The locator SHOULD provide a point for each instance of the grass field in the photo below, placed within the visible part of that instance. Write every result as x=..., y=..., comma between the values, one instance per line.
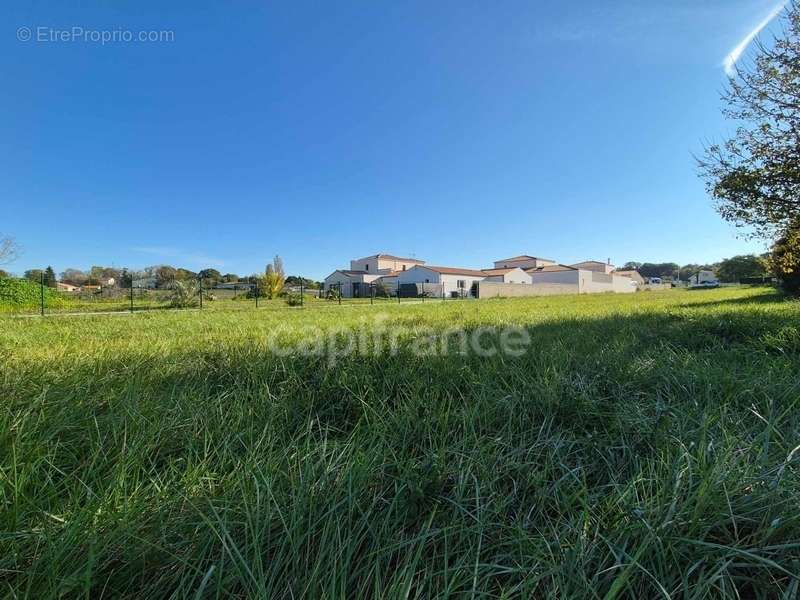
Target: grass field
x=643, y=446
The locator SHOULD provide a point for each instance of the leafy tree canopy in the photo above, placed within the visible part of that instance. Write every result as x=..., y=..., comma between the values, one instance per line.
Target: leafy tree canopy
x=754, y=176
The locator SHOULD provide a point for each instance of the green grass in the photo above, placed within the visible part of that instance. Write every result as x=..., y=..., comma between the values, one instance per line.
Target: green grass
x=645, y=446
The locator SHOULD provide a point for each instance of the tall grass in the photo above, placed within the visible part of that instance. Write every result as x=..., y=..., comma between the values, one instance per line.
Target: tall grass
x=645, y=446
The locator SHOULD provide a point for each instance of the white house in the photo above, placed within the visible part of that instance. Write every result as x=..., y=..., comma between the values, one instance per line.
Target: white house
x=377, y=268
x=507, y=275
x=703, y=276
x=584, y=281
x=351, y=284
x=383, y=263
x=455, y=281
x=63, y=286
x=524, y=261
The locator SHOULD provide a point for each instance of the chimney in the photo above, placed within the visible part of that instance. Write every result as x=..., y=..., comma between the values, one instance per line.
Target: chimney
x=609, y=261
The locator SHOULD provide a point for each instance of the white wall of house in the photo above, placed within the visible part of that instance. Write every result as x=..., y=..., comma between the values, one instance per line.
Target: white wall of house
x=451, y=283
x=624, y=285
x=373, y=264
x=337, y=277
x=567, y=276
x=593, y=265
x=418, y=274
x=514, y=276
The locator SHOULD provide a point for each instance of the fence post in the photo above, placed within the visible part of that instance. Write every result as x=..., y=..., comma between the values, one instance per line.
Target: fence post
x=41, y=285
x=398, y=291
x=131, y=293
x=423, y=292
x=443, y=297
x=371, y=293
x=256, y=293
x=301, y=292
x=200, y=281
x=340, y=294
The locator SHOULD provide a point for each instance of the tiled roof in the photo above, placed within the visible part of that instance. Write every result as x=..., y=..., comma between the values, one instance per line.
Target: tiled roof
x=521, y=257
x=392, y=257
x=551, y=269
x=456, y=271
x=498, y=271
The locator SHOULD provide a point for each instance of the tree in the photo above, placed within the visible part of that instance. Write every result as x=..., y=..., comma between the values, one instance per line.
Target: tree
x=305, y=282
x=631, y=266
x=230, y=278
x=686, y=271
x=785, y=258
x=74, y=276
x=659, y=269
x=50, y=279
x=185, y=275
x=9, y=250
x=34, y=275
x=4, y=274
x=754, y=177
x=274, y=278
x=165, y=276
x=211, y=276
x=734, y=269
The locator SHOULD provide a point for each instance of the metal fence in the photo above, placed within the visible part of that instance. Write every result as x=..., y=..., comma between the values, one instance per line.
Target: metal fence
x=131, y=295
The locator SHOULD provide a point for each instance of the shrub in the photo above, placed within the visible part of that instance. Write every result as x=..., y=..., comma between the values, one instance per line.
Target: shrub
x=294, y=299
x=183, y=294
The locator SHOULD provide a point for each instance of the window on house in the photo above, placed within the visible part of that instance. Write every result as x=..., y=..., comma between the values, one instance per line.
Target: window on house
x=404, y=267
x=461, y=283
x=367, y=267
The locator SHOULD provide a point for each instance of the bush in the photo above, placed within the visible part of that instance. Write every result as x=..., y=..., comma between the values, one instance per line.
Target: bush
x=294, y=299
x=183, y=295
x=785, y=259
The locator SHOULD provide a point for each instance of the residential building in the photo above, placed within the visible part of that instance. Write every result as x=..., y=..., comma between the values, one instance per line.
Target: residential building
x=392, y=272
x=595, y=265
x=524, y=261
x=63, y=286
x=703, y=276
x=507, y=275
x=454, y=281
x=582, y=281
x=383, y=263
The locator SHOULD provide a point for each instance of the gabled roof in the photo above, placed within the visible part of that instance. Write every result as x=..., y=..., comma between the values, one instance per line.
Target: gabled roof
x=521, y=257
x=502, y=271
x=593, y=262
x=349, y=273
x=550, y=269
x=455, y=271
x=392, y=257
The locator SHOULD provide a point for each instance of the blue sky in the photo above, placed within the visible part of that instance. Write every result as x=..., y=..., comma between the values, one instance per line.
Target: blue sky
x=458, y=132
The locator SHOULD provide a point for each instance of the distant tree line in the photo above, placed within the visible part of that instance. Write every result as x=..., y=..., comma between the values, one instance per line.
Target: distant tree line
x=729, y=270
x=270, y=283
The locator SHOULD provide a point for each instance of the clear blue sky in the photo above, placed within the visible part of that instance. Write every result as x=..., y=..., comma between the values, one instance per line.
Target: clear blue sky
x=459, y=132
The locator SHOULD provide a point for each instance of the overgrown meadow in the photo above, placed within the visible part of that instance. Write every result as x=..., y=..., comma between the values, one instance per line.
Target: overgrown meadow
x=643, y=446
